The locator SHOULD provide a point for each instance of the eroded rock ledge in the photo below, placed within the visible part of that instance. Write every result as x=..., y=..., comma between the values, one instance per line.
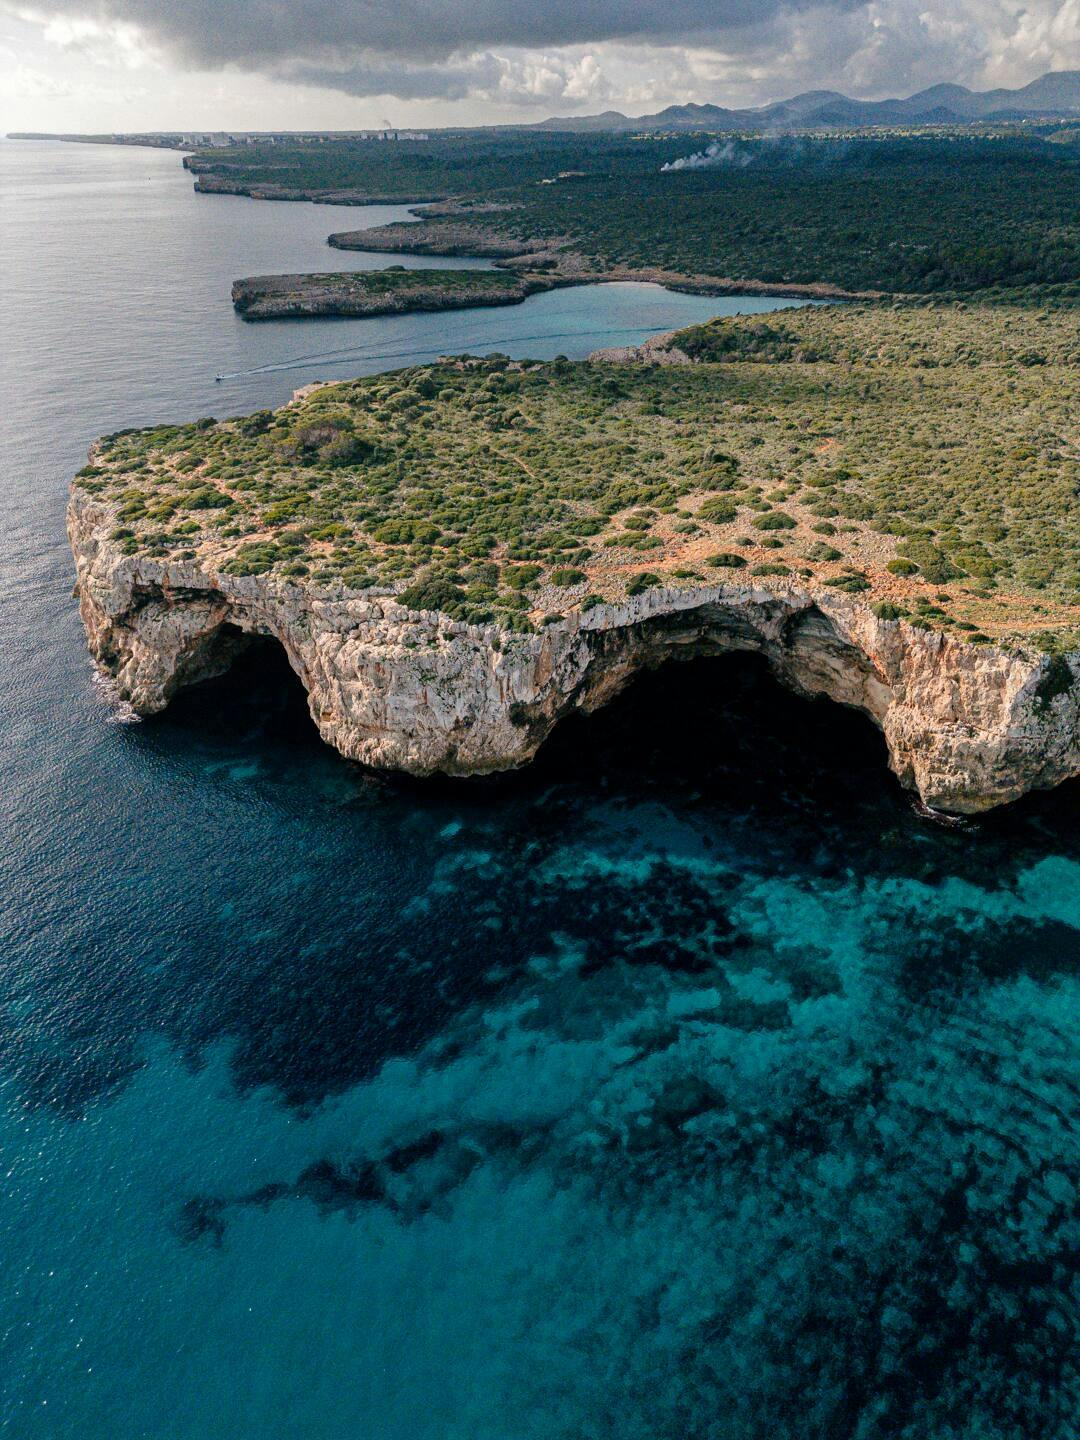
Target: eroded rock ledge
x=968, y=727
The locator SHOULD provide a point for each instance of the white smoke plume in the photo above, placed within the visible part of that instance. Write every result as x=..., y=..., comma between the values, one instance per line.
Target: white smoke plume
x=729, y=155
x=769, y=152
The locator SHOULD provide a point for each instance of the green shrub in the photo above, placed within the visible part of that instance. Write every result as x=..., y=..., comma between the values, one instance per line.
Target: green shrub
x=773, y=520
x=646, y=580
x=935, y=565
x=520, y=576
x=403, y=531
x=717, y=511
x=253, y=559
x=431, y=592
x=206, y=498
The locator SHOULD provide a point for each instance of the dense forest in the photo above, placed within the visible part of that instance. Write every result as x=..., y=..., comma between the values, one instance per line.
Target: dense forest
x=899, y=214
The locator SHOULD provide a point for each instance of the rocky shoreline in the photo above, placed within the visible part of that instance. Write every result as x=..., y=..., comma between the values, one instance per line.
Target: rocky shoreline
x=967, y=727
x=224, y=185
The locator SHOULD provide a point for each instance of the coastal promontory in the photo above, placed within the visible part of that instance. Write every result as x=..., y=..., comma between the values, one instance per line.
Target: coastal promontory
x=879, y=499
x=394, y=291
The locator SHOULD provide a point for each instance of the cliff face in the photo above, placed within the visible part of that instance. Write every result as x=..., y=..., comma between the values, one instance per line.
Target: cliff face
x=967, y=726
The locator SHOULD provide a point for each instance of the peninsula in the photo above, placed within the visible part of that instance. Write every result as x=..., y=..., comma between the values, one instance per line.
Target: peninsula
x=394, y=291
x=810, y=216
x=556, y=261
x=880, y=498
x=918, y=213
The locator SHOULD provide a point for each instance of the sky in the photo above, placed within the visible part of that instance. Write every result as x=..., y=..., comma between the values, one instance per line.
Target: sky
x=115, y=65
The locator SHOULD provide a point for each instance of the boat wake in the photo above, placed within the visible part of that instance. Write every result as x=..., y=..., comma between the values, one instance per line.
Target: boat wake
x=368, y=353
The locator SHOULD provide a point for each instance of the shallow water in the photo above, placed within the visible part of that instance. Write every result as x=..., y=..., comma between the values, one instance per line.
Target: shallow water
x=686, y=1084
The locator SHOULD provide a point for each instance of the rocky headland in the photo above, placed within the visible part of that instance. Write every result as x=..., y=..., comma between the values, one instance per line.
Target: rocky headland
x=455, y=557
x=966, y=727
x=448, y=236
x=226, y=184
x=377, y=292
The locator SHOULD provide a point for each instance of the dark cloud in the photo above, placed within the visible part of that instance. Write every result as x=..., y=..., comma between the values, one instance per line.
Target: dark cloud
x=582, y=53
x=381, y=76
x=257, y=33
x=521, y=79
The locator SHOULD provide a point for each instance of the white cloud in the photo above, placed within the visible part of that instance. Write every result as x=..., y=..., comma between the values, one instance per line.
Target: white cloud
x=258, y=63
x=102, y=44
x=1036, y=36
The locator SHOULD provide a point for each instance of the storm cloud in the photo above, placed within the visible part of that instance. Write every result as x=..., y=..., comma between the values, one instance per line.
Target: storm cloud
x=209, y=33
x=583, y=53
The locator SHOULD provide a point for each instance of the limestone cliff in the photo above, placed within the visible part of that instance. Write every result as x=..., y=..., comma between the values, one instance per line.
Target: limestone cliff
x=967, y=726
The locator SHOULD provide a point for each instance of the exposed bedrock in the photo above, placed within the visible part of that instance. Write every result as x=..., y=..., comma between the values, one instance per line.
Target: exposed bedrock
x=967, y=726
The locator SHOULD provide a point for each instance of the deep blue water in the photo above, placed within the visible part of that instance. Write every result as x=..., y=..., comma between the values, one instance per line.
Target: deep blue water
x=685, y=1085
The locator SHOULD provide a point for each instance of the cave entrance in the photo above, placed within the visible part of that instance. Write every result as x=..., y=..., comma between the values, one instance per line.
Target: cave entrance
x=720, y=724
x=257, y=689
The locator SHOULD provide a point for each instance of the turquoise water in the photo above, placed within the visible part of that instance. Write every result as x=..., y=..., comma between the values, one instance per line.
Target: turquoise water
x=685, y=1085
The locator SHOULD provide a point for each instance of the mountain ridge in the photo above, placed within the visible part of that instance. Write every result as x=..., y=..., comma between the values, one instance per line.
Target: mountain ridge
x=1055, y=94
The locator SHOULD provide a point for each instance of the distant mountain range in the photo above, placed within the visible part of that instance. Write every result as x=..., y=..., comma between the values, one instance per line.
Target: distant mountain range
x=1053, y=95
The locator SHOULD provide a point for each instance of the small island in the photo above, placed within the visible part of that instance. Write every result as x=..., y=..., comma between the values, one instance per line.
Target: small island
x=394, y=291
x=881, y=499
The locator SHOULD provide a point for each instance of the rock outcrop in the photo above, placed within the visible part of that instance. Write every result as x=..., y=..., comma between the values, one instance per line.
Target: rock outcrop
x=967, y=726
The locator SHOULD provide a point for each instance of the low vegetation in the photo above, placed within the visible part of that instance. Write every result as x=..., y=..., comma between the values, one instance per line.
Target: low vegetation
x=922, y=455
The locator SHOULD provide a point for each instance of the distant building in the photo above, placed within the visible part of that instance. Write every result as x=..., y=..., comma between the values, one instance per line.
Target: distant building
x=391, y=135
x=222, y=140
x=209, y=140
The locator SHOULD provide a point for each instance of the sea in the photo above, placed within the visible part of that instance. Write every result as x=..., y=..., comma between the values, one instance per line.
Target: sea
x=686, y=1085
